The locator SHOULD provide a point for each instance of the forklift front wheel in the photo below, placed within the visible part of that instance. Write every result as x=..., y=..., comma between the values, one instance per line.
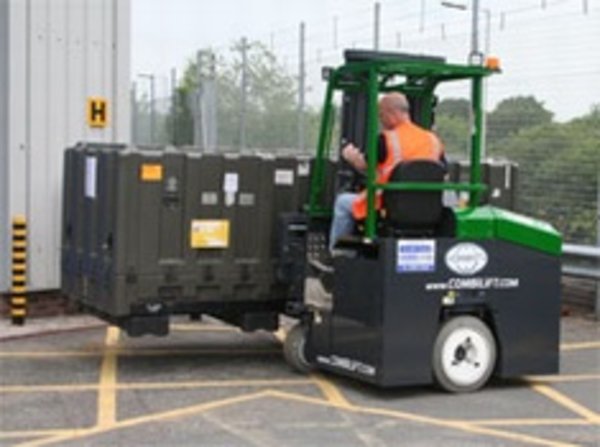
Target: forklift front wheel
x=293, y=349
x=464, y=355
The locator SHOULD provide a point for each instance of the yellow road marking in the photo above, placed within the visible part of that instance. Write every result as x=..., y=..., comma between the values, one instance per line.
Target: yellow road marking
x=16, y=434
x=156, y=417
x=524, y=422
x=107, y=396
x=580, y=345
x=154, y=385
x=331, y=392
x=413, y=417
x=132, y=352
x=567, y=402
x=565, y=378
x=195, y=409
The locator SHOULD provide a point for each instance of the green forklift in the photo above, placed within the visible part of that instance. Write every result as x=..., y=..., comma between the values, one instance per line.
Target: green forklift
x=424, y=292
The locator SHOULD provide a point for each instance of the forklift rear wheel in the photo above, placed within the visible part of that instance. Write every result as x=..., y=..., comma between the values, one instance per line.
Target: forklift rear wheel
x=293, y=349
x=464, y=355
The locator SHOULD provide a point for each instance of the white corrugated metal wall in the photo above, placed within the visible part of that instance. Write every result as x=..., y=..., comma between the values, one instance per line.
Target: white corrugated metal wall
x=3, y=143
x=59, y=53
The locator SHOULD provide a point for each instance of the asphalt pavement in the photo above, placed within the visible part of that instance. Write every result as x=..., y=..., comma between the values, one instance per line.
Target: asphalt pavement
x=208, y=384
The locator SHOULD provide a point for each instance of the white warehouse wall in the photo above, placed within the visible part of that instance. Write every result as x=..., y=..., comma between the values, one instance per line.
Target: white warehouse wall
x=54, y=54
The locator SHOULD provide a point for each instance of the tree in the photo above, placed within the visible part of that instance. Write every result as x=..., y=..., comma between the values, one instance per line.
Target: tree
x=452, y=125
x=515, y=114
x=454, y=133
x=558, y=173
x=271, y=107
x=454, y=107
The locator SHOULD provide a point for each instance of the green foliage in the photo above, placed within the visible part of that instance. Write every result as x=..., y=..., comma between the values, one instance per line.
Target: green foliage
x=271, y=107
x=558, y=162
x=454, y=107
x=454, y=132
x=558, y=173
x=515, y=114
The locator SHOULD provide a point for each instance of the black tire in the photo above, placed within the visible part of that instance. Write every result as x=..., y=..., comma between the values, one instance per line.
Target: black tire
x=464, y=355
x=293, y=349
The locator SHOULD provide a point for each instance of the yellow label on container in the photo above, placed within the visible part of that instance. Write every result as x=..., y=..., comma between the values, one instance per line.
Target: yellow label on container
x=208, y=233
x=151, y=172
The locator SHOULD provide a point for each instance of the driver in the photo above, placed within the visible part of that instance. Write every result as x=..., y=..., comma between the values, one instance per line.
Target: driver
x=400, y=140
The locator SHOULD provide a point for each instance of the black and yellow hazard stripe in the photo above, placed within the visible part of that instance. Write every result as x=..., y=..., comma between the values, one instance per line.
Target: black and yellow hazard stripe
x=18, y=298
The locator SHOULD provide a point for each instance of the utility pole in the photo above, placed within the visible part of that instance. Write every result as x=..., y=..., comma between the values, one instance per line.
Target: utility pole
x=335, y=32
x=475, y=55
x=173, y=106
x=376, y=26
x=151, y=77
x=205, y=103
x=422, y=18
x=244, y=87
x=301, y=87
x=212, y=125
x=152, y=109
x=488, y=30
x=134, y=114
x=197, y=102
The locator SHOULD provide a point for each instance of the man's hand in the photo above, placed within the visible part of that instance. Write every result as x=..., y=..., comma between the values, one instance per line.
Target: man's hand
x=354, y=156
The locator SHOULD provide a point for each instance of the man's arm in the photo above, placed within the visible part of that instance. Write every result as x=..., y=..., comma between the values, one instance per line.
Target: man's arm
x=356, y=158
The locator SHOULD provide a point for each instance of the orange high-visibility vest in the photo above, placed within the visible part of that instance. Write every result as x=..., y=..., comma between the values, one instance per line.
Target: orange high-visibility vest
x=405, y=142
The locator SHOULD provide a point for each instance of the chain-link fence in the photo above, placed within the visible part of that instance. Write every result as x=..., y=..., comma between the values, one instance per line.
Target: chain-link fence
x=543, y=112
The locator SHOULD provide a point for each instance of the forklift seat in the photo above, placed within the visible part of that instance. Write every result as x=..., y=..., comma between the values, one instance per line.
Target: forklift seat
x=414, y=213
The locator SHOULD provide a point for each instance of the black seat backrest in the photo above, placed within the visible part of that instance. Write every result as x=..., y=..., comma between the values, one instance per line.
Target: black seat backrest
x=414, y=210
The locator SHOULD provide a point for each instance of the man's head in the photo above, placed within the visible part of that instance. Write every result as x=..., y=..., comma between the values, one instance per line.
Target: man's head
x=393, y=110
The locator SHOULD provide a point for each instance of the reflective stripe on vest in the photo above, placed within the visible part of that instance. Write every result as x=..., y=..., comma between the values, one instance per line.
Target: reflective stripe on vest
x=385, y=169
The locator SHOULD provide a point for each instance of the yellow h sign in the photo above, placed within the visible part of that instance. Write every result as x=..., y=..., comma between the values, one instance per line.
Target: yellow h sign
x=97, y=112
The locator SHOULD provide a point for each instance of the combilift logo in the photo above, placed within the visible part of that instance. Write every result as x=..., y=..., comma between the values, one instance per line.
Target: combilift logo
x=466, y=258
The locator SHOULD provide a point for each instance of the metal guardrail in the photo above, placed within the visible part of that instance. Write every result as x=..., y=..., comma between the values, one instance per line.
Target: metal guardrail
x=583, y=261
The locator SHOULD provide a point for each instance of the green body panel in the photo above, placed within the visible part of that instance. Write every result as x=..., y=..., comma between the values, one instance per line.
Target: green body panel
x=487, y=222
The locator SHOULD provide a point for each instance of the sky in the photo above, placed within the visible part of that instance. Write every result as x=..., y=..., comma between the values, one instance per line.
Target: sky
x=548, y=48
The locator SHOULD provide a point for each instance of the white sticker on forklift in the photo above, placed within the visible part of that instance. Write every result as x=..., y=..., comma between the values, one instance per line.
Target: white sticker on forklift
x=413, y=256
x=284, y=177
